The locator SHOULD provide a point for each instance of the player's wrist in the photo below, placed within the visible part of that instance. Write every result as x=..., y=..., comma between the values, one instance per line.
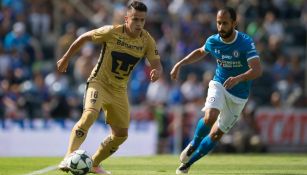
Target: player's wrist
x=240, y=78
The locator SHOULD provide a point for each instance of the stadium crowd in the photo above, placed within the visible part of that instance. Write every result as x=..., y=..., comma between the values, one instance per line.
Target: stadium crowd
x=35, y=33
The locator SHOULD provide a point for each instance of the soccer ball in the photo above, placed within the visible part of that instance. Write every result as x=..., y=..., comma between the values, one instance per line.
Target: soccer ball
x=79, y=162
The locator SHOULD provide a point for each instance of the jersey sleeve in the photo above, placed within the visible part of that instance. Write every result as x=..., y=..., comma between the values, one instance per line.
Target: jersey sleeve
x=251, y=51
x=102, y=34
x=152, y=51
x=208, y=45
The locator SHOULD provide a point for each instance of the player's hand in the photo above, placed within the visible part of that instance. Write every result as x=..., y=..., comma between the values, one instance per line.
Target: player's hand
x=154, y=75
x=62, y=64
x=175, y=72
x=231, y=82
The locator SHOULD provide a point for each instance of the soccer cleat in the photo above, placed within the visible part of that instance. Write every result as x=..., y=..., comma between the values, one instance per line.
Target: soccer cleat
x=183, y=169
x=63, y=166
x=99, y=170
x=186, y=154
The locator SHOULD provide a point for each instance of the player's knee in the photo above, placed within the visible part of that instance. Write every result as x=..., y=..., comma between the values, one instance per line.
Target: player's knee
x=216, y=135
x=87, y=119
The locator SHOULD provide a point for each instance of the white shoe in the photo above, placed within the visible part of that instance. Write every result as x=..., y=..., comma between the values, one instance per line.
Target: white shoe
x=63, y=166
x=99, y=170
x=182, y=169
x=186, y=154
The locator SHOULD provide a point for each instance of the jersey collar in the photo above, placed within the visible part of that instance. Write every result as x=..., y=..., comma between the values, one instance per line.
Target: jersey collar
x=232, y=40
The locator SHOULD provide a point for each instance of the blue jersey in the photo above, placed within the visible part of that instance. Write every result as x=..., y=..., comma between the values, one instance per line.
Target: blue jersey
x=232, y=60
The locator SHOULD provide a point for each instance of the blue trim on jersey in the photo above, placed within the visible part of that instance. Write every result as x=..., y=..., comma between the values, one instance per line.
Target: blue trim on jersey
x=232, y=59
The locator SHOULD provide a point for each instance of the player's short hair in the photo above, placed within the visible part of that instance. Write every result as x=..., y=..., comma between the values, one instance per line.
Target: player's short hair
x=231, y=11
x=137, y=5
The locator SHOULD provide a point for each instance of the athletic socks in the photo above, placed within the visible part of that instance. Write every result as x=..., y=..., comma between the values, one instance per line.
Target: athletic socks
x=200, y=132
x=206, y=145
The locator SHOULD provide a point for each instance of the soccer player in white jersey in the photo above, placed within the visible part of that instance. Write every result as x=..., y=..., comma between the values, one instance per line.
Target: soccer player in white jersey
x=238, y=64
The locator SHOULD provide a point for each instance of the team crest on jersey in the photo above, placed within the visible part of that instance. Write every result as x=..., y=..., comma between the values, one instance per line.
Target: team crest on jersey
x=235, y=53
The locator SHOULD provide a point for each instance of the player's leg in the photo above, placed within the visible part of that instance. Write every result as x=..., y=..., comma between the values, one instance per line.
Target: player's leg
x=214, y=103
x=108, y=147
x=92, y=104
x=78, y=134
x=226, y=120
x=202, y=130
x=93, y=98
x=79, y=131
x=116, y=108
x=206, y=145
x=110, y=144
x=228, y=117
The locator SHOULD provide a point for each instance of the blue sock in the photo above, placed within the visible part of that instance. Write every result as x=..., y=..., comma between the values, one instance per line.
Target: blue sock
x=206, y=145
x=201, y=131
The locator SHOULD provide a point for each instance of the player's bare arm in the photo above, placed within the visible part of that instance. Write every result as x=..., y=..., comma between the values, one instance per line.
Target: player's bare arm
x=156, y=71
x=255, y=71
x=193, y=57
x=74, y=47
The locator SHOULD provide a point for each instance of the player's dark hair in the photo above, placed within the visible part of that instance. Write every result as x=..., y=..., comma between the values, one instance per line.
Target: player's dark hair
x=137, y=5
x=231, y=11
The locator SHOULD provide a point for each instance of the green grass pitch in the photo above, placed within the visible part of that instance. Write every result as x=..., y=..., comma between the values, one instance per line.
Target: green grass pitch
x=215, y=164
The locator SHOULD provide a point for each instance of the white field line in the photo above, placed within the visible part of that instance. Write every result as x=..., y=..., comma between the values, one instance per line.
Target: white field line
x=43, y=171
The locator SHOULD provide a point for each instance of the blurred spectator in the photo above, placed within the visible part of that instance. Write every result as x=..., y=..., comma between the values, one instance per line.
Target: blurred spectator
x=289, y=91
x=5, y=62
x=57, y=82
x=276, y=101
x=84, y=64
x=175, y=96
x=280, y=69
x=17, y=39
x=158, y=91
x=40, y=20
x=191, y=88
x=14, y=103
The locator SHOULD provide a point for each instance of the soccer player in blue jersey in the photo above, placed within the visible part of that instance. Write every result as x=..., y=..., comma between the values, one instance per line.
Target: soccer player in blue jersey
x=238, y=64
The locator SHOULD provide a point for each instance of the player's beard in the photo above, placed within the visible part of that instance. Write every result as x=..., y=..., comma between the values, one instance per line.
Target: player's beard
x=225, y=34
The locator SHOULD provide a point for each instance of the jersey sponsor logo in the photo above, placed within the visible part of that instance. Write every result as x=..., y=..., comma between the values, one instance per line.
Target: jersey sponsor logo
x=229, y=64
x=124, y=44
x=226, y=57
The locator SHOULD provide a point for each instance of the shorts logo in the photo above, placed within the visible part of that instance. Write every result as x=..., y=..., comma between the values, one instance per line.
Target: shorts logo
x=79, y=133
x=93, y=101
x=211, y=99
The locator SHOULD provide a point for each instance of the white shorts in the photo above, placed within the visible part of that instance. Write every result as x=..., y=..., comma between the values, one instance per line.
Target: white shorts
x=230, y=106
